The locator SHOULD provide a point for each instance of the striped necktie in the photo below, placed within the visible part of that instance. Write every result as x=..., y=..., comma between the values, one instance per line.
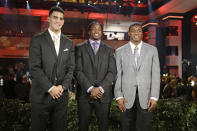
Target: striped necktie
x=95, y=47
x=55, y=41
x=136, y=55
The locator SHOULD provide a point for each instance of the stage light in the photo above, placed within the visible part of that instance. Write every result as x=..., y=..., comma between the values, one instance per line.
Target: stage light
x=150, y=10
x=1, y=82
x=89, y=4
x=58, y=3
x=28, y=6
x=195, y=19
x=192, y=83
x=165, y=74
x=120, y=6
x=139, y=1
x=6, y=3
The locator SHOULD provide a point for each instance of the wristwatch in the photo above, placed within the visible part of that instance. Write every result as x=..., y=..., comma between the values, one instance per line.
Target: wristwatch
x=64, y=88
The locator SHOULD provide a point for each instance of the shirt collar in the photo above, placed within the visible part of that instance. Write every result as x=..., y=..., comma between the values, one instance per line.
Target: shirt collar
x=133, y=46
x=92, y=41
x=53, y=34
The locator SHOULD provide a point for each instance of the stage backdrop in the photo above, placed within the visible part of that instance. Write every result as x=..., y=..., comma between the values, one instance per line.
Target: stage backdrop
x=18, y=47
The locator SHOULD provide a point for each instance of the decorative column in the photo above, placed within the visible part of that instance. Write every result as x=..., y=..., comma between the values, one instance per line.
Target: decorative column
x=149, y=33
x=173, y=43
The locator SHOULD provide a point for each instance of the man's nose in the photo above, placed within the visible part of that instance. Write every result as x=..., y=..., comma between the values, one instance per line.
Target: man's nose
x=96, y=31
x=58, y=19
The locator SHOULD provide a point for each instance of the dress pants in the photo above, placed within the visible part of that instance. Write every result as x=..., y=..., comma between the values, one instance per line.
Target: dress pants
x=51, y=116
x=85, y=110
x=136, y=118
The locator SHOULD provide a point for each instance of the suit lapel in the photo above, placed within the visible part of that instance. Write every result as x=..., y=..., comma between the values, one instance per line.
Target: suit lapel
x=90, y=51
x=50, y=42
x=142, y=56
x=101, y=52
x=131, y=58
x=59, y=57
x=61, y=47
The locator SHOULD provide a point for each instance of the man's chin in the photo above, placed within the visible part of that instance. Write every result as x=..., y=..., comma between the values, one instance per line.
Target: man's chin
x=137, y=41
x=57, y=30
x=96, y=38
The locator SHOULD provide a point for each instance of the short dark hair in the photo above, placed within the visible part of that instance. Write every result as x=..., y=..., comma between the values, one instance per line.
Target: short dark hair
x=56, y=8
x=92, y=23
x=135, y=24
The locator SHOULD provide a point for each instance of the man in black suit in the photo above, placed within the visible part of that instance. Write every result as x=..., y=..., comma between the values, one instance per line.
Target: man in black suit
x=51, y=62
x=95, y=73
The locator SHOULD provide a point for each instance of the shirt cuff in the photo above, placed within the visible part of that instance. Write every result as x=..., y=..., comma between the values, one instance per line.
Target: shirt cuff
x=50, y=89
x=89, y=89
x=101, y=89
x=154, y=98
x=118, y=98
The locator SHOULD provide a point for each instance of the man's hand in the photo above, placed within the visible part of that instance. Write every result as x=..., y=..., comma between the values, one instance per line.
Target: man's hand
x=121, y=104
x=60, y=88
x=56, y=91
x=151, y=104
x=96, y=93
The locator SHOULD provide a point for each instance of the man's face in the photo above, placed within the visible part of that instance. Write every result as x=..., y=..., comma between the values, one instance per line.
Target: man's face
x=56, y=21
x=95, y=32
x=135, y=33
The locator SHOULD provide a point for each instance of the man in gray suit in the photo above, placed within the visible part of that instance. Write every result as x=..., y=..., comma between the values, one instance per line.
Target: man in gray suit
x=138, y=81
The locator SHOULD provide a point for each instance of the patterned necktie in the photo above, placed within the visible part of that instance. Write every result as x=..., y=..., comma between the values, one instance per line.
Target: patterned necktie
x=136, y=55
x=95, y=47
x=55, y=41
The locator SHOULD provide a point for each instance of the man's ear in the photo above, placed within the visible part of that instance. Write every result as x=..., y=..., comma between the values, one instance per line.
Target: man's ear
x=129, y=34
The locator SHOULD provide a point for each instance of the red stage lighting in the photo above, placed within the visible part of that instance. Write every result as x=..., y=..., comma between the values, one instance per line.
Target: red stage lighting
x=195, y=18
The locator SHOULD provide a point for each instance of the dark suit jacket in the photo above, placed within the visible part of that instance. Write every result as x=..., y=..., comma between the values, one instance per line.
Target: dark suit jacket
x=42, y=61
x=90, y=68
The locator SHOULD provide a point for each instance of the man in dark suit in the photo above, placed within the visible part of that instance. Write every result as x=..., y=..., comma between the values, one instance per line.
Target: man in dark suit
x=51, y=62
x=138, y=81
x=95, y=73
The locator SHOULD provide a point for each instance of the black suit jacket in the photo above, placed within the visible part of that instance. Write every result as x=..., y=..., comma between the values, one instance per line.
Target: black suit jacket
x=90, y=68
x=43, y=62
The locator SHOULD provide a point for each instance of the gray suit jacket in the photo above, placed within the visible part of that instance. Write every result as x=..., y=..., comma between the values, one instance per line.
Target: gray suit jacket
x=146, y=77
